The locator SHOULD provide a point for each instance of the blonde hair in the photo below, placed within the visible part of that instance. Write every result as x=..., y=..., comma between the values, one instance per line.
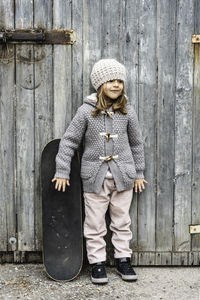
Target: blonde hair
x=104, y=103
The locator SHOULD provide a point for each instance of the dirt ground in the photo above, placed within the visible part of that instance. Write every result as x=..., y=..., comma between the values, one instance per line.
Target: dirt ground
x=29, y=281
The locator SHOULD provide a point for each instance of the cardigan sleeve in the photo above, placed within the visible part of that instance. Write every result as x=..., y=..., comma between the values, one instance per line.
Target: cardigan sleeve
x=69, y=143
x=136, y=142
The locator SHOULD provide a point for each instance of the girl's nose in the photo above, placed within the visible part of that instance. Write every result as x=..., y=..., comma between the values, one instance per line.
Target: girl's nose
x=116, y=82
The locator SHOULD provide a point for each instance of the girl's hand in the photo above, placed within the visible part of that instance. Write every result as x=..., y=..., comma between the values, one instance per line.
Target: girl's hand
x=139, y=184
x=61, y=183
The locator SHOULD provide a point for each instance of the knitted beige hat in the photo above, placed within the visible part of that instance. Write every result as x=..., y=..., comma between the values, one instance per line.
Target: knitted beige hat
x=105, y=70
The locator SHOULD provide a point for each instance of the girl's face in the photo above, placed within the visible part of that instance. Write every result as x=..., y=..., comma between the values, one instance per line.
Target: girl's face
x=113, y=88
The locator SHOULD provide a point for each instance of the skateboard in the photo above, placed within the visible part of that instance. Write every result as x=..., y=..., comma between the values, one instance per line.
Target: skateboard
x=61, y=218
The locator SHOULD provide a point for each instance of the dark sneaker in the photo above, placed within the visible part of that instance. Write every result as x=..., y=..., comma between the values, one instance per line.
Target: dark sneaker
x=125, y=270
x=99, y=273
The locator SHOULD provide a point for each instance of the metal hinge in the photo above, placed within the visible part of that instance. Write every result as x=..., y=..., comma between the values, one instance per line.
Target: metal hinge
x=196, y=38
x=37, y=36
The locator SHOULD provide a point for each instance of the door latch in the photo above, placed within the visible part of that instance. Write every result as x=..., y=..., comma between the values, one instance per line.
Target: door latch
x=36, y=36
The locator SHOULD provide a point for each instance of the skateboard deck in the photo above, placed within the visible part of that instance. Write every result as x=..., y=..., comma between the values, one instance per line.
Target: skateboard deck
x=61, y=218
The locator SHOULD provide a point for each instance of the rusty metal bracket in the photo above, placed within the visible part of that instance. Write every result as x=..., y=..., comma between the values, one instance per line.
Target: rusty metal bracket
x=36, y=36
x=194, y=229
x=196, y=38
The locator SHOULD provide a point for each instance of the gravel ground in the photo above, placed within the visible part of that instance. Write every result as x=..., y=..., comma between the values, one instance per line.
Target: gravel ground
x=29, y=281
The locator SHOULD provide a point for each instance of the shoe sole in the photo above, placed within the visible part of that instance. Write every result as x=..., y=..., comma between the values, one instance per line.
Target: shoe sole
x=99, y=280
x=128, y=277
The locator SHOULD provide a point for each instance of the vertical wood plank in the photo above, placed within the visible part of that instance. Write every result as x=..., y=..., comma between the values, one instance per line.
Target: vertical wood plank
x=134, y=258
x=7, y=14
x=7, y=127
x=194, y=259
x=62, y=61
x=77, y=56
x=25, y=130
x=183, y=125
x=131, y=48
x=163, y=259
x=92, y=48
x=112, y=29
x=146, y=258
x=165, y=137
x=43, y=103
x=92, y=30
x=130, y=41
x=196, y=136
x=147, y=119
x=196, y=17
x=180, y=258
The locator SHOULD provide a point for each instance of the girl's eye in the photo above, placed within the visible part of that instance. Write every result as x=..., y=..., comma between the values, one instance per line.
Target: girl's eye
x=119, y=81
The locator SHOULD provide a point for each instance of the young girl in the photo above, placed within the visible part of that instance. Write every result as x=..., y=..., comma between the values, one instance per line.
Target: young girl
x=112, y=163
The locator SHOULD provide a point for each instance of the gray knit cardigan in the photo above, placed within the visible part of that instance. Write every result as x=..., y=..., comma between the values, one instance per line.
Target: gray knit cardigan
x=110, y=140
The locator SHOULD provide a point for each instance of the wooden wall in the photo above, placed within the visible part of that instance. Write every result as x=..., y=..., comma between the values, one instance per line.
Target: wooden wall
x=41, y=87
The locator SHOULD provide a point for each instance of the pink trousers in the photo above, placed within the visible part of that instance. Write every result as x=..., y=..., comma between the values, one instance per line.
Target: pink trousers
x=96, y=206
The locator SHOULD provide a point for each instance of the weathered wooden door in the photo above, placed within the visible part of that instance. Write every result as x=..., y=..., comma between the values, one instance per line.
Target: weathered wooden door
x=31, y=115
x=41, y=87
